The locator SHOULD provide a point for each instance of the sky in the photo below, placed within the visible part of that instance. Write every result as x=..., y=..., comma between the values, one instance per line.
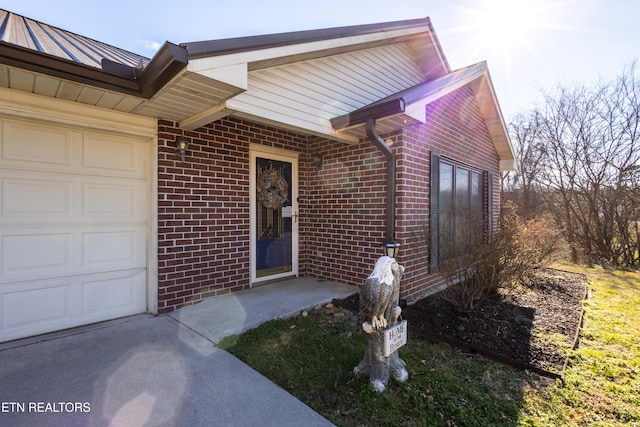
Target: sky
x=529, y=45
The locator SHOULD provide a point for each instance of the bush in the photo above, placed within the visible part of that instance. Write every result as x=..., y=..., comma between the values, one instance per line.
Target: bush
x=513, y=253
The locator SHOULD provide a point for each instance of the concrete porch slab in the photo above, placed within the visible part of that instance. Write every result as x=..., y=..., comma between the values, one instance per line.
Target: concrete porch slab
x=238, y=312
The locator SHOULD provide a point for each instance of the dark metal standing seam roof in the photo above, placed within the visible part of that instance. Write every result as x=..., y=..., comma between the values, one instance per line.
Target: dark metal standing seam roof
x=37, y=36
x=33, y=45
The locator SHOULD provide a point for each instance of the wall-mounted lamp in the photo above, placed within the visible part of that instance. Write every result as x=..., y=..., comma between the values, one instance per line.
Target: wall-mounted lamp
x=391, y=248
x=182, y=144
x=317, y=160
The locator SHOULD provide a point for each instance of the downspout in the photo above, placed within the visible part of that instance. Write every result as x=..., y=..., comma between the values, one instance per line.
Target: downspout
x=391, y=176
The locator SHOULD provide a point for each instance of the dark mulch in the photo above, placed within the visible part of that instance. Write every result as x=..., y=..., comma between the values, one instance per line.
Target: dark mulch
x=534, y=324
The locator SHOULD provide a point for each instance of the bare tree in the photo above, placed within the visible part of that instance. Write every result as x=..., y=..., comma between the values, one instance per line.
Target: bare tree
x=522, y=185
x=587, y=141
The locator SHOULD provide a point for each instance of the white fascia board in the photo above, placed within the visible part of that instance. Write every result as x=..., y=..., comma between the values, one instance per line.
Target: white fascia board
x=417, y=109
x=438, y=49
x=299, y=48
x=501, y=123
x=236, y=75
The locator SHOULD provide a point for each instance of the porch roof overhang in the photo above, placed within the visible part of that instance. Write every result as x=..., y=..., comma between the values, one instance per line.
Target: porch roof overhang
x=229, y=62
x=407, y=108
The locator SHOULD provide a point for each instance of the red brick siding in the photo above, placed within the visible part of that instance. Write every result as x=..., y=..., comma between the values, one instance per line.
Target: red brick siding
x=203, y=208
x=345, y=211
x=203, y=203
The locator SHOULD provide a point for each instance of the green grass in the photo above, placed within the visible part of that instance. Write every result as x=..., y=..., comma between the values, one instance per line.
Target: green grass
x=602, y=381
x=313, y=357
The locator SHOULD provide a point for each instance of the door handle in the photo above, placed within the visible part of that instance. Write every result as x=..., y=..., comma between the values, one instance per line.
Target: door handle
x=295, y=217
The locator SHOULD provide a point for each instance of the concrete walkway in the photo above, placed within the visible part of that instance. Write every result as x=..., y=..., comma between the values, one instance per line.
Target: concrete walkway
x=158, y=371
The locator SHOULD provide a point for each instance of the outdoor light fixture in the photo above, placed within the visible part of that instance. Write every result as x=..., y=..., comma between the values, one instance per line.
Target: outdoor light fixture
x=391, y=248
x=182, y=144
x=317, y=160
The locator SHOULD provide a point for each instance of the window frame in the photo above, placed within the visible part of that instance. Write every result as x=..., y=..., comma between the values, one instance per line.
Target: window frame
x=486, y=191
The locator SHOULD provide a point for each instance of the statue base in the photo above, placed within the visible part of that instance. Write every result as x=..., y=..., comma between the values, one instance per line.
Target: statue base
x=375, y=365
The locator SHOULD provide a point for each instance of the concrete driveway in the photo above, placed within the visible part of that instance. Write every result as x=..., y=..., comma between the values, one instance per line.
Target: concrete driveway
x=158, y=371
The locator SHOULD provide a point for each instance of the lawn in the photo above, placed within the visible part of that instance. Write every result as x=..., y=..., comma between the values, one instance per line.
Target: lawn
x=312, y=357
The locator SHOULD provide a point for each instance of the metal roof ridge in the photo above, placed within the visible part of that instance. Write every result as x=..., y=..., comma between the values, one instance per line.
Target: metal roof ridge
x=257, y=42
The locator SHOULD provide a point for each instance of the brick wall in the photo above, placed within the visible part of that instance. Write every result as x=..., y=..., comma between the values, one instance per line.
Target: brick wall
x=203, y=208
x=346, y=199
x=203, y=203
x=345, y=211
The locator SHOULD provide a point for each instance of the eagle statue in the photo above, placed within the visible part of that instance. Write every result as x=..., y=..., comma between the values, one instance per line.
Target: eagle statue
x=380, y=294
x=379, y=298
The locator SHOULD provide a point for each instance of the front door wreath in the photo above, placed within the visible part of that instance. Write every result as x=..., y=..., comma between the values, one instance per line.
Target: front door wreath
x=272, y=188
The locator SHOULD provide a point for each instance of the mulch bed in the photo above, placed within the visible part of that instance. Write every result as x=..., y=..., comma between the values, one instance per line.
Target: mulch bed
x=532, y=326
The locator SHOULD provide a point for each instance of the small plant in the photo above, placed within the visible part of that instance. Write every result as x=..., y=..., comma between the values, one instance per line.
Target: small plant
x=476, y=267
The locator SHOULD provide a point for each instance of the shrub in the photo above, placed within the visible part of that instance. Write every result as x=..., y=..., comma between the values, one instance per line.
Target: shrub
x=511, y=255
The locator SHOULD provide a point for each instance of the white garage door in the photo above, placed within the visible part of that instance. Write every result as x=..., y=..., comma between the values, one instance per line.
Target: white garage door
x=73, y=227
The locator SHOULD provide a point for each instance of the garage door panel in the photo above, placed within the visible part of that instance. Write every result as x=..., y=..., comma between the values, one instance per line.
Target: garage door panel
x=113, y=247
x=113, y=200
x=37, y=144
x=39, y=147
x=27, y=308
x=42, y=306
x=105, y=152
x=115, y=294
x=109, y=155
x=24, y=254
x=36, y=197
